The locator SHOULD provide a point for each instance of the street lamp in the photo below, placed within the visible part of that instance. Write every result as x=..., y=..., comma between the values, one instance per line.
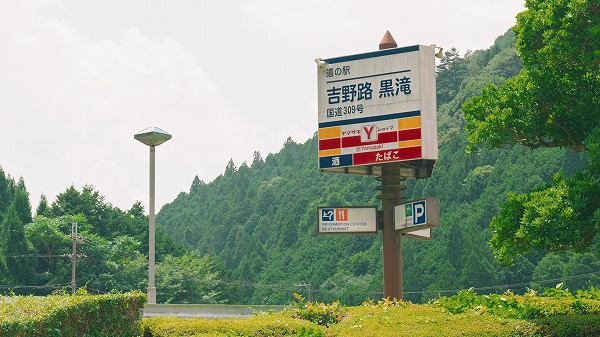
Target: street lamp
x=152, y=137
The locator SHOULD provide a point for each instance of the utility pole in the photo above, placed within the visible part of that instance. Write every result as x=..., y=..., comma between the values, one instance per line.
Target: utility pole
x=391, y=195
x=308, y=290
x=74, y=257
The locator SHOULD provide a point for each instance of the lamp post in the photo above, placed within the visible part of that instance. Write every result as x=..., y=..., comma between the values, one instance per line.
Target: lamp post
x=152, y=137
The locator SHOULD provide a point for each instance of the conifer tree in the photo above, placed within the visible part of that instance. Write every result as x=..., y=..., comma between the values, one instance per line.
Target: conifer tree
x=16, y=247
x=257, y=160
x=230, y=168
x=196, y=185
x=22, y=205
x=43, y=208
x=5, y=194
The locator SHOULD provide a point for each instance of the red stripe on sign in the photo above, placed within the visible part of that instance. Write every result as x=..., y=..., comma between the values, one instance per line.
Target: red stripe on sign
x=409, y=134
x=383, y=156
x=328, y=144
x=384, y=137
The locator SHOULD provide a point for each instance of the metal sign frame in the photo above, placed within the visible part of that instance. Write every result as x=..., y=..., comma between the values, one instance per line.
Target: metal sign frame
x=411, y=115
x=346, y=233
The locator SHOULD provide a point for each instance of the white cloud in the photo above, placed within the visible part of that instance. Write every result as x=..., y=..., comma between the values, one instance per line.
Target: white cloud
x=71, y=105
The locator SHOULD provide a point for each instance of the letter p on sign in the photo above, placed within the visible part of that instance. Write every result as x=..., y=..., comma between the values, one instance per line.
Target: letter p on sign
x=419, y=215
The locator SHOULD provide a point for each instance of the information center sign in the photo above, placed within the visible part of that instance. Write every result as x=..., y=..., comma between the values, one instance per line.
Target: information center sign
x=416, y=215
x=377, y=107
x=347, y=220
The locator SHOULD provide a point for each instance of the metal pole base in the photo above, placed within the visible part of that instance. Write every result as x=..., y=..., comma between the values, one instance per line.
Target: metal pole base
x=391, y=189
x=151, y=295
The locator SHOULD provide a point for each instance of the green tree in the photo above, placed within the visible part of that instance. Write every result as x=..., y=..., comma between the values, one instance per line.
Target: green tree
x=553, y=102
x=197, y=185
x=22, y=206
x=5, y=191
x=16, y=247
x=115, y=265
x=189, y=279
x=452, y=71
x=43, y=207
x=555, y=99
x=48, y=237
x=549, y=272
x=582, y=271
x=230, y=168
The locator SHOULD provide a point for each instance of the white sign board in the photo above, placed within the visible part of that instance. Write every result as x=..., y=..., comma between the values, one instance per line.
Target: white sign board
x=417, y=215
x=347, y=220
x=377, y=108
x=421, y=234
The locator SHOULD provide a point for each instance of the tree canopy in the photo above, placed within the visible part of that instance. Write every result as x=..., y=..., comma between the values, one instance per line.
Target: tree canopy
x=554, y=101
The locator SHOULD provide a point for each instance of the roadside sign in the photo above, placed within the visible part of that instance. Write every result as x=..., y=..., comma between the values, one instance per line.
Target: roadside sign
x=418, y=214
x=377, y=108
x=421, y=234
x=347, y=220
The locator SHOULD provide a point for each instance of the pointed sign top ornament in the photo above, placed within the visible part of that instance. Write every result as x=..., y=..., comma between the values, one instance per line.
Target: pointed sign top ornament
x=387, y=41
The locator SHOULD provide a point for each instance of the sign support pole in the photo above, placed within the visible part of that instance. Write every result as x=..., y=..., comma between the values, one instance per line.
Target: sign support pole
x=390, y=196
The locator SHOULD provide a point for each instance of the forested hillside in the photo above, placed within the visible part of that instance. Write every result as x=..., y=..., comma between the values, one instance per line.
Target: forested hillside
x=249, y=236
x=112, y=248
x=259, y=219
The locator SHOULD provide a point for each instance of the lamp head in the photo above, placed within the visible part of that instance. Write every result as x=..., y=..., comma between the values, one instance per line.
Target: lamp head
x=152, y=136
x=322, y=64
x=439, y=54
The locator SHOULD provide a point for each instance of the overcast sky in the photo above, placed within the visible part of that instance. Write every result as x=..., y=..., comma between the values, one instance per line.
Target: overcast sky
x=78, y=78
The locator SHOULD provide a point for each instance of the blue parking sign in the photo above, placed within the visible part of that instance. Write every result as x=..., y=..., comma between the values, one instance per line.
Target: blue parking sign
x=419, y=215
x=327, y=214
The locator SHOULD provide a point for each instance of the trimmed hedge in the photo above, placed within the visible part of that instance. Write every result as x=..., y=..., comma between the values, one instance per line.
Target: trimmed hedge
x=115, y=315
x=375, y=320
x=262, y=325
x=400, y=319
x=569, y=325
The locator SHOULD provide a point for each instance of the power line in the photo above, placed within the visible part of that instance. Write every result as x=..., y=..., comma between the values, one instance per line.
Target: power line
x=508, y=285
x=38, y=255
x=55, y=286
x=282, y=286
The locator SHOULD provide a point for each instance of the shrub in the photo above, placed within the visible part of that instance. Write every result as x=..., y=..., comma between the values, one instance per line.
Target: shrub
x=320, y=313
x=386, y=303
x=309, y=332
x=556, y=301
x=72, y=315
x=569, y=325
x=262, y=325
